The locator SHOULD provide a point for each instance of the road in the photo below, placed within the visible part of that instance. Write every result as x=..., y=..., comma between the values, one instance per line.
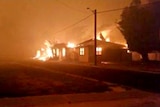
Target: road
x=19, y=79
x=147, y=81
x=127, y=98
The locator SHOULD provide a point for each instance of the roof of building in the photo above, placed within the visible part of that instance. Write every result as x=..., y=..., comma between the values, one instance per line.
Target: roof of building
x=90, y=42
x=59, y=45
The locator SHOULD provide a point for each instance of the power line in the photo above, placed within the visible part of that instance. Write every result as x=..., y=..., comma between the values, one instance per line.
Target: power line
x=111, y=10
x=73, y=24
x=70, y=7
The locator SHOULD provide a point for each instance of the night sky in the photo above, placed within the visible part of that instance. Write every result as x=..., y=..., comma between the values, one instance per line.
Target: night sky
x=26, y=24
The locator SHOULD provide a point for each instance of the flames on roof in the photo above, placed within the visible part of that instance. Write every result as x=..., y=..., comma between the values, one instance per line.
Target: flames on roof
x=46, y=53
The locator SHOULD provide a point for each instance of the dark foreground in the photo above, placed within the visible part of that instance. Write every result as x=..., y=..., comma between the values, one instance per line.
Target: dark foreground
x=144, y=79
x=49, y=78
x=17, y=80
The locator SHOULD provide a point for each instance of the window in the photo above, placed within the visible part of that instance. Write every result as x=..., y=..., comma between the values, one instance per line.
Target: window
x=81, y=51
x=63, y=52
x=57, y=52
x=54, y=52
x=98, y=51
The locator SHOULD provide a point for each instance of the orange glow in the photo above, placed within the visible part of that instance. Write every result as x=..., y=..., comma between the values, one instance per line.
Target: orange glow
x=98, y=38
x=110, y=34
x=128, y=51
x=63, y=52
x=98, y=50
x=44, y=53
x=38, y=54
x=71, y=45
x=125, y=46
x=104, y=35
x=57, y=52
x=108, y=39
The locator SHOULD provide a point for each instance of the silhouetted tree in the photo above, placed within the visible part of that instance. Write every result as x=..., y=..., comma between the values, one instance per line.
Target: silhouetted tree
x=137, y=25
x=135, y=2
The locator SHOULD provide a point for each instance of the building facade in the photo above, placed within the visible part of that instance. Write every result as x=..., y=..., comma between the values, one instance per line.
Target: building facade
x=105, y=52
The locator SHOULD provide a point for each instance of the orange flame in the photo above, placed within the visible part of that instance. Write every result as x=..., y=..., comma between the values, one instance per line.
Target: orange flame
x=71, y=45
x=104, y=35
x=46, y=53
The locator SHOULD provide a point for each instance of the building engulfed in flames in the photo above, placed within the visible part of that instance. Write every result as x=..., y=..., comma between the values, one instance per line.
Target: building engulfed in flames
x=44, y=53
x=61, y=51
x=53, y=51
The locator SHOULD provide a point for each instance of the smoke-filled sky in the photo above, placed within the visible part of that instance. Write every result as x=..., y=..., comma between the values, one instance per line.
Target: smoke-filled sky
x=26, y=24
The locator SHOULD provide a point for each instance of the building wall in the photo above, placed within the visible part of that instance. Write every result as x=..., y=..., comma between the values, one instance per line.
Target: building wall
x=72, y=54
x=108, y=55
x=58, y=53
x=154, y=56
x=85, y=57
x=91, y=54
x=115, y=55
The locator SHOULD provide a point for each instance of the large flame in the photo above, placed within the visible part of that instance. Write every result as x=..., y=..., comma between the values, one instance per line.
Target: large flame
x=104, y=35
x=44, y=53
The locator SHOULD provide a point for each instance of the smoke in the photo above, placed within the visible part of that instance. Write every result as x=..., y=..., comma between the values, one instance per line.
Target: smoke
x=25, y=24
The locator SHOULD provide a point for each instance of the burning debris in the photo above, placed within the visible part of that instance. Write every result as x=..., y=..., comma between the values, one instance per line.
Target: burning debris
x=44, y=53
x=50, y=52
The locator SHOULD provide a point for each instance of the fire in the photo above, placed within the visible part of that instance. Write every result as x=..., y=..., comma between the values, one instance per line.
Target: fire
x=98, y=38
x=108, y=39
x=104, y=36
x=44, y=53
x=71, y=45
x=126, y=45
x=106, y=33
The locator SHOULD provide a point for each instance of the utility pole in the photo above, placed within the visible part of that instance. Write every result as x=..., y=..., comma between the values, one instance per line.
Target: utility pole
x=95, y=36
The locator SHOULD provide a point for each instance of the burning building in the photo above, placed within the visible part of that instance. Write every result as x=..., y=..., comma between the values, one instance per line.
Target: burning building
x=105, y=52
x=64, y=52
x=57, y=51
x=44, y=53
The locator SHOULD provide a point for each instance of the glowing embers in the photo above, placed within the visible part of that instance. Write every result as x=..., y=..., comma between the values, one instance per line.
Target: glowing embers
x=44, y=53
